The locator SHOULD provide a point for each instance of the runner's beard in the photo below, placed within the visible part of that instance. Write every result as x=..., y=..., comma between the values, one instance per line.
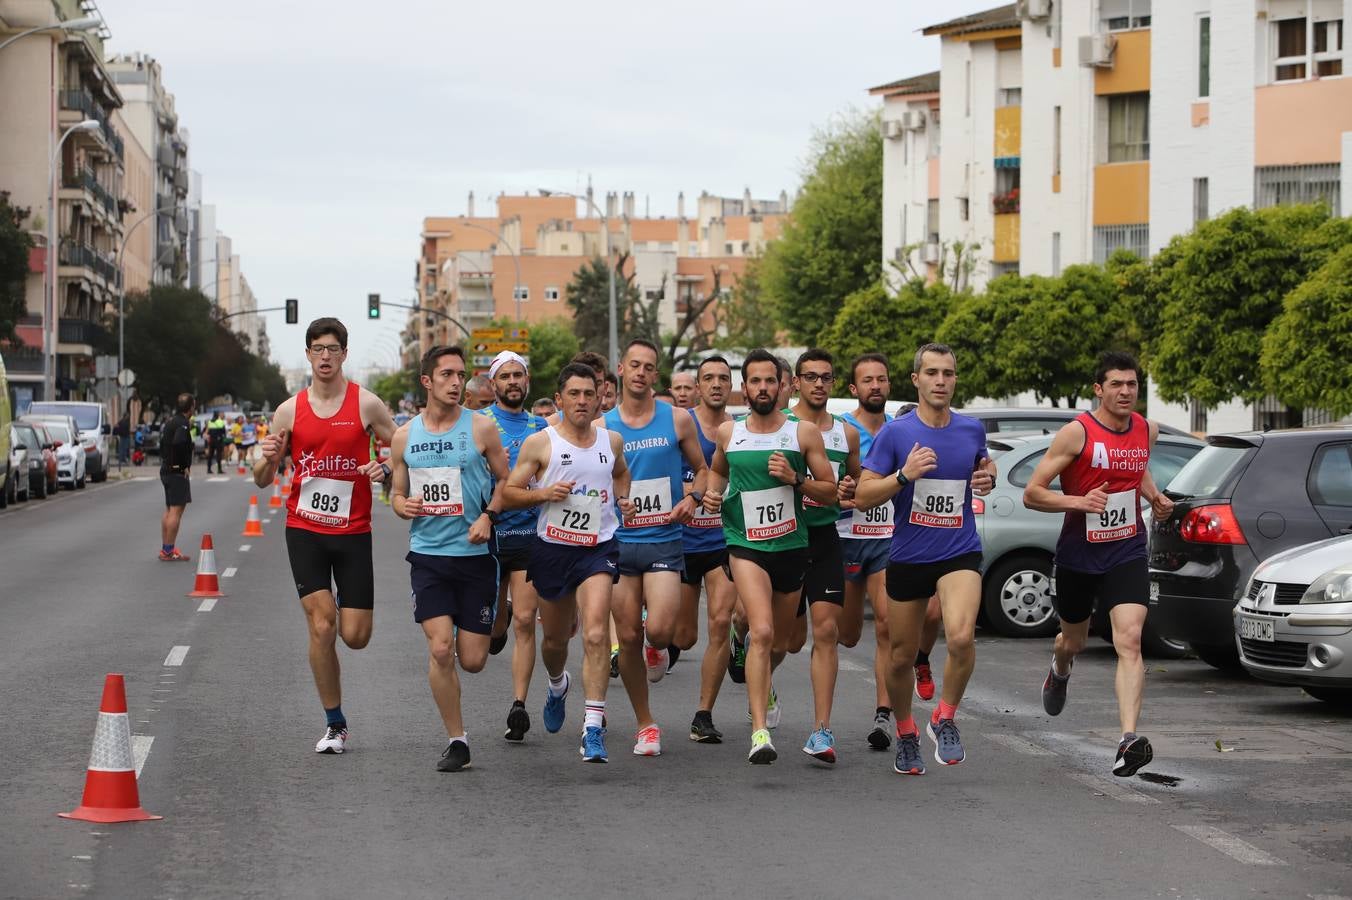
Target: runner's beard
x=507, y=401
x=763, y=405
x=873, y=403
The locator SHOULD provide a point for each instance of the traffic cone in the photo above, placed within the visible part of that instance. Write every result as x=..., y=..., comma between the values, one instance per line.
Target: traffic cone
x=275, y=501
x=110, y=793
x=253, y=526
x=242, y=470
x=286, y=486
x=207, y=583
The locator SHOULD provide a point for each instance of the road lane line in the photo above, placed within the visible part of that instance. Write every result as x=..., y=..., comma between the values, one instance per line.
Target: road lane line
x=140, y=749
x=230, y=572
x=244, y=548
x=217, y=479
x=1230, y=845
x=176, y=656
x=1112, y=789
x=207, y=605
x=848, y=666
x=1020, y=745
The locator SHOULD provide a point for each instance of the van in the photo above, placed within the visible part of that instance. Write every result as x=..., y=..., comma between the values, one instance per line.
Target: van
x=92, y=419
x=5, y=416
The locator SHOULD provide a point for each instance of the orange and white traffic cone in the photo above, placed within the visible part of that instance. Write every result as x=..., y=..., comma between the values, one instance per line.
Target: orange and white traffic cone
x=207, y=583
x=286, y=486
x=275, y=501
x=241, y=469
x=253, y=526
x=110, y=793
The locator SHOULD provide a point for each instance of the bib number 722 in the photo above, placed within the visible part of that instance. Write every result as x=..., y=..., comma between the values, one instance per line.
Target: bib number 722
x=576, y=520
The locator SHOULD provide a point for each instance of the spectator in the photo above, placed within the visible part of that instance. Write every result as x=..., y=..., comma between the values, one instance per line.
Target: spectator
x=175, y=462
x=216, y=431
x=123, y=432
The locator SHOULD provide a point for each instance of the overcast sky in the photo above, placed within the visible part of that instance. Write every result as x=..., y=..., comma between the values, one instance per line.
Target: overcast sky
x=325, y=132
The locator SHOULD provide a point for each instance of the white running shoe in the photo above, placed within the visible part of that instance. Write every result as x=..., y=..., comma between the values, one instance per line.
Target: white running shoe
x=656, y=661
x=772, y=710
x=648, y=742
x=333, y=741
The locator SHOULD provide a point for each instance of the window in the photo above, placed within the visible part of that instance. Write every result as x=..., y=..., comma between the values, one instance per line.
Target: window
x=551, y=295
x=1011, y=96
x=932, y=221
x=1314, y=183
x=1128, y=127
x=1120, y=15
x=964, y=209
x=1204, y=56
x=1330, y=481
x=521, y=293
x=1056, y=140
x=1056, y=253
x=1328, y=48
x=1200, y=200
x=1108, y=239
x=1290, y=49
x=1197, y=419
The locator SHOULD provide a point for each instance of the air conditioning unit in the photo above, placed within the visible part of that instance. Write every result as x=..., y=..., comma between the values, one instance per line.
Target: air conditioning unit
x=930, y=253
x=893, y=129
x=1097, y=49
x=1035, y=9
x=913, y=120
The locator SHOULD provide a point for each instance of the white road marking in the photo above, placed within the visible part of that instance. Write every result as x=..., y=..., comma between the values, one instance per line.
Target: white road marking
x=217, y=479
x=140, y=749
x=82, y=857
x=244, y=548
x=207, y=605
x=1112, y=789
x=141, y=478
x=848, y=666
x=230, y=572
x=1230, y=845
x=176, y=656
x=1020, y=745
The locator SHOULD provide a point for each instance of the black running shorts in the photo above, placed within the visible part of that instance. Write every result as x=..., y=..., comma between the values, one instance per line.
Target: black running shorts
x=697, y=565
x=786, y=568
x=919, y=581
x=323, y=562
x=1076, y=594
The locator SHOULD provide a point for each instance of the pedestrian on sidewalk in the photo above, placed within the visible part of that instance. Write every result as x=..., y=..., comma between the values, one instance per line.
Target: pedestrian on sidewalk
x=123, y=432
x=175, y=461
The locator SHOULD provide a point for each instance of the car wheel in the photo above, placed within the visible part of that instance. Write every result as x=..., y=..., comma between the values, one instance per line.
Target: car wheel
x=80, y=483
x=1017, y=597
x=1340, y=697
x=100, y=474
x=1219, y=656
x=42, y=488
x=4, y=494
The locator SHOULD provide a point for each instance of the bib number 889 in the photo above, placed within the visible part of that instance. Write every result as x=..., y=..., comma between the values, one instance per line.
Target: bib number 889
x=436, y=493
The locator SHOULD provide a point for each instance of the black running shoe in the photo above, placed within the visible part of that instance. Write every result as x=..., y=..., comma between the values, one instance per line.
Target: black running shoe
x=495, y=644
x=1132, y=755
x=454, y=758
x=702, y=728
x=880, y=738
x=518, y=722
x=736, y=658
x=673, y=653
x=1054, y=692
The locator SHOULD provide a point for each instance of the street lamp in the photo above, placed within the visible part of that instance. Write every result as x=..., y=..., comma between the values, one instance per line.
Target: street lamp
x=516, y=261
x=49, y=318
x=610, y=274
x=122, y=287
x=83, y=23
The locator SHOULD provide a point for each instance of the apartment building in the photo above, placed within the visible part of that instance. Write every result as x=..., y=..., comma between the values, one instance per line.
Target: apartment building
x=1074, y=128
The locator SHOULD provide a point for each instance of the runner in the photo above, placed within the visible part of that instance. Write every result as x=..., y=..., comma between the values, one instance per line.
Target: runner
x=865, y=536
x=328, y=515
x=767, y=463
x=706, y=558
x=597, y=363
x=479, y=393
x=684, y=391
x=928, y=463
x=656, y=438
x=574, y=559
x=515, y=532
x=824, y=587
x=1102, y=459
x=446, y=461
x=610, y=392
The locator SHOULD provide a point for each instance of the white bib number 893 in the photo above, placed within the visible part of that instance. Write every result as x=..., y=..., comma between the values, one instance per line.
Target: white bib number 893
x=326, y=501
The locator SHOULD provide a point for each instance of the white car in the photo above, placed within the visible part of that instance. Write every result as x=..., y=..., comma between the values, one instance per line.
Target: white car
x=1294, y=623
x=70, y=456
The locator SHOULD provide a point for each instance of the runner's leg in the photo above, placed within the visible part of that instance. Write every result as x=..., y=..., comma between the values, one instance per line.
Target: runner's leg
x=556, y=628
x=960, y=597
x=321, y=615
x=877, y=594
x=904, y=621
x=626, y=612
x=441, y=675
x=1128, y=619
x=753, y=587
x=525, y=604
x=720, y=597
x=825, y=665
x=685, y=634
x=593, y=600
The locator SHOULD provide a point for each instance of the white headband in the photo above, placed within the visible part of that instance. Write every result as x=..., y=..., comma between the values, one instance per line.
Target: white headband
x=504, y=357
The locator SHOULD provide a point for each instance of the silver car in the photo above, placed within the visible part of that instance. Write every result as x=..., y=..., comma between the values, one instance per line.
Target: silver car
x=1018, y=543
x=1294, y=623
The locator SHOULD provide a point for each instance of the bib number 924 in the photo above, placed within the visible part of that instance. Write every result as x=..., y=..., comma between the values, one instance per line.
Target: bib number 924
x=1113, y=518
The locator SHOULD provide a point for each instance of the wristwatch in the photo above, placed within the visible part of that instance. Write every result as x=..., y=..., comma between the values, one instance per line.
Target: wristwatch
x=902, y=479
x=798, y=479
x=386, y=469
x=697, y=496
x=493, y=517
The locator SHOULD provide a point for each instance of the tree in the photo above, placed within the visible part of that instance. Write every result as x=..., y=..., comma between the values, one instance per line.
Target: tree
x=589, y=298
x=749, y=317
x=1307, y=347
x=874, y=321
x=696, y=327
x=552, y=343
x=393, y=387
x=973, y=328
x=829, y=246
x=15, y=245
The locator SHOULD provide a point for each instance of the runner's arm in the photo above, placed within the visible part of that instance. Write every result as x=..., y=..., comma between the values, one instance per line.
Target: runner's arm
x=1161, y=505
x=376, y=415
x=694, y=457
x=533, y=459
x=879, y=487
x=1066, y=446
x=490, y=444
x=850, y=482
x=717, y=481
x=619, y=476
x=404, y=506
x=820, y=485
x=274, y=446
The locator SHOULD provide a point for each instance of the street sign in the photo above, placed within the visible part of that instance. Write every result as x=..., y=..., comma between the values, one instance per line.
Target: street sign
x=496, y=347
x=126, y=378
x=489, y=335
x=484, y=361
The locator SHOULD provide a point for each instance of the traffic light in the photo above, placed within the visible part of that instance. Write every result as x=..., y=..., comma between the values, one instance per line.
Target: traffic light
x=292, y=311
x=373, y=306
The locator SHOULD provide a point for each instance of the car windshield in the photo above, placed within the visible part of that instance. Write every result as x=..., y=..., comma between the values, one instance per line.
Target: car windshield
x=1166, y=460
x=59, y=432
x=86, y=415
x=26, y=437
x=1209, y=472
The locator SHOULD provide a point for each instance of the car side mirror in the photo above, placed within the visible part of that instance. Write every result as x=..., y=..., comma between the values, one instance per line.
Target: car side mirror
x=55, y=444
x=49, y=446
x=107, y=429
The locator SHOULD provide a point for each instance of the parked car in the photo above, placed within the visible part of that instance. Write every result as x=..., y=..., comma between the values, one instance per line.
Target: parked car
x=70, y=456
x=94, y=431
x=5, y=417
x=1244, y=498
x=47, y=443
x=1018, y=543
x=1047, y=419
x=1294, y=622
x=16, y=486
x=25, y=436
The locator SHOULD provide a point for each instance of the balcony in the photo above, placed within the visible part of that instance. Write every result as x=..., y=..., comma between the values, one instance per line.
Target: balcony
x=476, y=307
x=165, y=156
x=1006, y=238
x=85, y=256
x=164, y=203
x=181, y=182
x=86, y=180
x=23, y=360
x=83, y=102
x=80, y=331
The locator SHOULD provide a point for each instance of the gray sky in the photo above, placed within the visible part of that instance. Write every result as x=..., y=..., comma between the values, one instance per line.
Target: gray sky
x=324, y=135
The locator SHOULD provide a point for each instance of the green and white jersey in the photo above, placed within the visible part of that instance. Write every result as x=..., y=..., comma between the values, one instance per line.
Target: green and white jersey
x=761, y=512
x=837, y=452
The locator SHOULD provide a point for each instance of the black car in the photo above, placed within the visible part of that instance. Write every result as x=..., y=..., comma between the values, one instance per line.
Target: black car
x=1047, y=419
x=1242, y=499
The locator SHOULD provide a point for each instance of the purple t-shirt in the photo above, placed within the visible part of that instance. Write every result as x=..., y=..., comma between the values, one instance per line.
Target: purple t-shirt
x=933, y=515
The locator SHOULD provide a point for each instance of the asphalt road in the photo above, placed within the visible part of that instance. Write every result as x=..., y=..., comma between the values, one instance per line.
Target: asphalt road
x=226, y=738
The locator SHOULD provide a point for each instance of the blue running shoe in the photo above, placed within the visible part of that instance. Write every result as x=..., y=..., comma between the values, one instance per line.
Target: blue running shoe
x=593, y=747
x=909, y=761
x=947, y=742
x=821, y=746
x=554, y=706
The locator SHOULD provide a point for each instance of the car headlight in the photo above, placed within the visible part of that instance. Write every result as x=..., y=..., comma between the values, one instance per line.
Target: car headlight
x=1331, y=587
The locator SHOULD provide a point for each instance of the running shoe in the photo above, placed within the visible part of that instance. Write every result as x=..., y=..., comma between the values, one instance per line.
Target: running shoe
x=762, y=751
x=673, y=654
x=593, y=747
x=333, y=741
x=702, y=728
x=821, y=746
x=614, y=662
x=924, y=682
x=947, y=742
x=518, y=722
x=554, y=706
x=772, y=710
x=496, y=643
x=656, y=661
x=736, y=657
x=909, y=761
x=454, y=758
x=172, y=556
x=648, y=742
x=1132, y=754
x=880, y=738
x=1054, y=691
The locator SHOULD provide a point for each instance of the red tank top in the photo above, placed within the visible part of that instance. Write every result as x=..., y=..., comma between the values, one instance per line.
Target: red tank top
x=1097, y=543
x=328, y=496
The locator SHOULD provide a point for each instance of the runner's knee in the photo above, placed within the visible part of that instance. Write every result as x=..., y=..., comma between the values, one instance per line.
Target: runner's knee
x=441, y=652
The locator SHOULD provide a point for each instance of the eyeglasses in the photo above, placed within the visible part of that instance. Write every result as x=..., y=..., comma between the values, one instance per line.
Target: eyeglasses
x=326, y=349
x=814, y=377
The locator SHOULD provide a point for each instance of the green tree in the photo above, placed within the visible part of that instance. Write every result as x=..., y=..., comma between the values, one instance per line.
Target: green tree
x=394, y=386
x=168, y=332
x=829, y=246
x=749, y=319
x=15, y=245
x=1307, y=347
x=973, y=328
x=552, y=343
x=589, y=297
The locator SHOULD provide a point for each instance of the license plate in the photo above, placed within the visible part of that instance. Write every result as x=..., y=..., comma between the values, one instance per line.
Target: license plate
x=1255, y=629
x=1154, y=592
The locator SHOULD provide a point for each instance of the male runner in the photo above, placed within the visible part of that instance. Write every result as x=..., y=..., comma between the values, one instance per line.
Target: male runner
x=1102, y=458
x=865, y=536
x=478, y=393
x=684, y=391
x=610, y=392
x=515, y=532
x=446, y=461
x=928, y=463
x=768, y=463
x=706, y=557
x=597, y=363
x=328, y=515
x=656, y=439
x=573, y=563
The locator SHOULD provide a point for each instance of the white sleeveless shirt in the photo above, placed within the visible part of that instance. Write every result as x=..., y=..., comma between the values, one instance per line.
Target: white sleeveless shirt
x=587, y=517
